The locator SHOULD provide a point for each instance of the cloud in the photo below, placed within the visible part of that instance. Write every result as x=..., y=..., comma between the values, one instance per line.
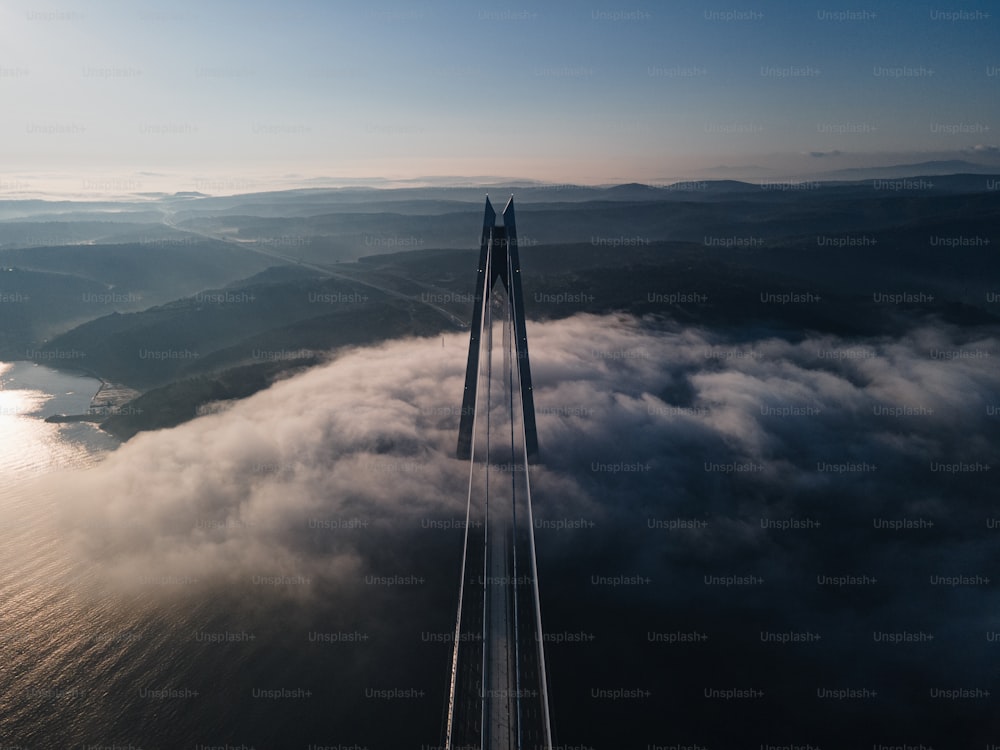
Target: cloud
x=668, y=453
x=242, y=493
x=371, y=435
x=823, y=154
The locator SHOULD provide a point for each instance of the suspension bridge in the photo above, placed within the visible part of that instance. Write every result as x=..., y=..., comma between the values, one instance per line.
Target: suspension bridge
x=498, y=696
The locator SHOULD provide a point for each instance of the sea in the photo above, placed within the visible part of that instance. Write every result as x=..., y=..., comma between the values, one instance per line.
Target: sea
x=89, y=667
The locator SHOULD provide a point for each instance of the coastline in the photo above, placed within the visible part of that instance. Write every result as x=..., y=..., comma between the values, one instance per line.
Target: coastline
x=110, y=398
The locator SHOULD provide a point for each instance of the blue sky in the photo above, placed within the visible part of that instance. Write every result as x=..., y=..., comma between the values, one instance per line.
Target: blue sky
x=203, y=93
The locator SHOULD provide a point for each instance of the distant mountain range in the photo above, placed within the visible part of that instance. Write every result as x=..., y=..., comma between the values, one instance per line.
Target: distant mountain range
x=213, y=297
x=933, y=168
x=922, y=169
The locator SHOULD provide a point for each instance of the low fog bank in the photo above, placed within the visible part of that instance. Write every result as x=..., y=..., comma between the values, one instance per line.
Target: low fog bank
x=690, y=482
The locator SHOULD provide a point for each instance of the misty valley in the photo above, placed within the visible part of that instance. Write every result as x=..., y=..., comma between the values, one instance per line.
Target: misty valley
x=766, y=420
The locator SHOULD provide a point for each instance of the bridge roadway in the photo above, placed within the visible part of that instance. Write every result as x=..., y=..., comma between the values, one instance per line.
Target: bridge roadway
x=498, y=697
x=499, y=703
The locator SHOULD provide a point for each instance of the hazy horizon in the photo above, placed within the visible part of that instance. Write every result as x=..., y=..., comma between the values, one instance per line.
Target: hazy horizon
x=126, y=187
x=247, y=96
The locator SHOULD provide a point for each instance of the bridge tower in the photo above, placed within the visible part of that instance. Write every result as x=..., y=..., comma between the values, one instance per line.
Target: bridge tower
x=498, y=698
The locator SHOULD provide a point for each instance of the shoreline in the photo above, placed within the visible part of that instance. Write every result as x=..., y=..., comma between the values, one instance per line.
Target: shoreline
x=108, y=400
